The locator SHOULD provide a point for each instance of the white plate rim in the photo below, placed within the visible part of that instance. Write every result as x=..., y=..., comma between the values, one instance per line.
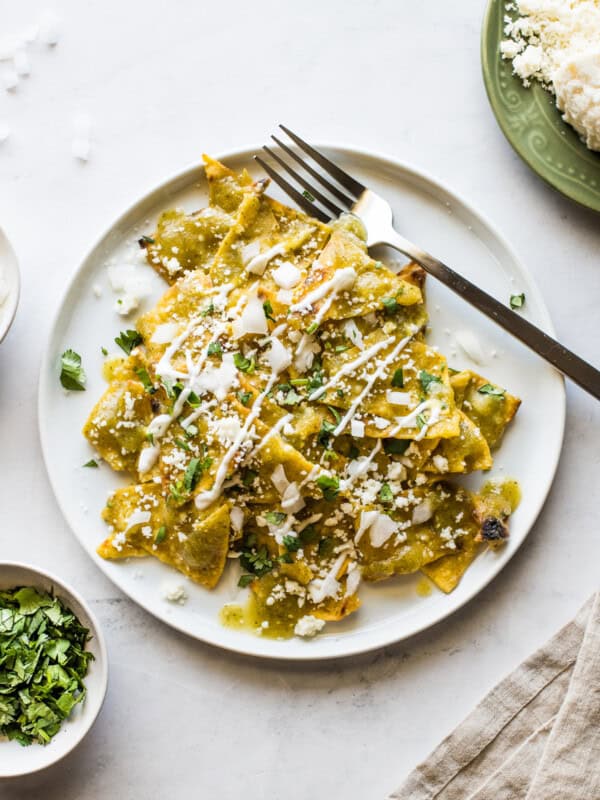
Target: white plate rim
x=72, y=597
x=12, y=301
x=454, y=603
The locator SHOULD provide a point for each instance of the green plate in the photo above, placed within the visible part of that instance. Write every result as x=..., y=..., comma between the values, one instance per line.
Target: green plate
x=532, y=123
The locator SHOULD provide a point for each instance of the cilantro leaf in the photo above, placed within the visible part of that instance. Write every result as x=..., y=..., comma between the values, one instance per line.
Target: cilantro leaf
x=244, y=397
x=275, y=517
x=329, y=485
x=324, y=435
x=256, y=561
x=517, y=300
x=268, y=309
x=194, y=471
x=385, y=493
x=246, y=580
x=215, y=349
x=244, y=364
x=398, y=379
x=161, y=534
x=309, y=535
x=91, y=463
x=396, y=447
x=490, y=389
x=128, y=340
x=292, y=543
x=426, y=379
x=144, y=241
x=72, y=374
x=390, y=305
x=144, y=377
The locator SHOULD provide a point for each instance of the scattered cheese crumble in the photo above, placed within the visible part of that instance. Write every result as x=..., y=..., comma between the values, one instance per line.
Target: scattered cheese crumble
x=309, y=626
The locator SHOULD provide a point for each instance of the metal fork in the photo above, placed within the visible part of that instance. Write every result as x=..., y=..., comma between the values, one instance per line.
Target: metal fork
x=376, y=215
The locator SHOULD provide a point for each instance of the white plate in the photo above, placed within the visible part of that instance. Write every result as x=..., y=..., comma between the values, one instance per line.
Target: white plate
x=428, y=214
x=9, y=272
x=18, y=760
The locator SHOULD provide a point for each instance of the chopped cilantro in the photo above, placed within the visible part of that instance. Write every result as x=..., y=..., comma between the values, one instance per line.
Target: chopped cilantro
x=292, y=543
x=385, y=493
x=489, y=388
x=91, y=463
x=268, y=309
x=329, y=485
x=426, y=379
x=245, y=580
x=335, y=413
x=173, y=389
x=193, y=472
x=244, y=397
x=396, y=447
x=326, y=546
x=208, y=310
x=309, y=535
x=44, y=662
x=398, y=378
x=517, y=300
x=291, y=396
x=215, y=349
x=275, y=517
x=161, y=534
x=193, y=400
x=256, y=561
x=324, y=435
x=248, y=477
x=244, y=364
x=144, y=241
x=104, y=351
x=128, y=340
x=316, y=378
x=72, y=374
x=390, y=305
x=142, y=374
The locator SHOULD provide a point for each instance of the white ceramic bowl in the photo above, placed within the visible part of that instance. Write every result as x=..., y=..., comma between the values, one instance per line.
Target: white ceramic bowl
x=15, y=759
x=9, y=273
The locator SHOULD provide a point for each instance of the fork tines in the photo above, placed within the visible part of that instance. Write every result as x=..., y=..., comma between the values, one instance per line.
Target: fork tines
x=310, y=196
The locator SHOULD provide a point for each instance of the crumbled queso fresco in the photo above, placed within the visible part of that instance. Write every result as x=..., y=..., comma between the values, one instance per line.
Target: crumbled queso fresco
x=557, y=42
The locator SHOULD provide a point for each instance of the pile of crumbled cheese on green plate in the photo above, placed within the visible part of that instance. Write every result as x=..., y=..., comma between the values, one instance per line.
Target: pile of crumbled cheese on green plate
x=557, y=42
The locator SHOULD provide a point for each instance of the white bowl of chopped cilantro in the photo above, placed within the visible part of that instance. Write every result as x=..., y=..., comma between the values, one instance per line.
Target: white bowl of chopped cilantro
x=53, y=669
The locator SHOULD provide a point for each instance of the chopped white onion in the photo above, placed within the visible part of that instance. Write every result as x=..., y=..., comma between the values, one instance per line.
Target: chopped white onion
x=278, y=357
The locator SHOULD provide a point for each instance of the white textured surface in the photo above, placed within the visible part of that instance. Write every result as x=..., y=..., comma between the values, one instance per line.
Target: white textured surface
x=162, y=82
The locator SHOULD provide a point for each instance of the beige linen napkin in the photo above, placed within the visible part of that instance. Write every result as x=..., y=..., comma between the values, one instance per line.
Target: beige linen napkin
x=536, y=736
